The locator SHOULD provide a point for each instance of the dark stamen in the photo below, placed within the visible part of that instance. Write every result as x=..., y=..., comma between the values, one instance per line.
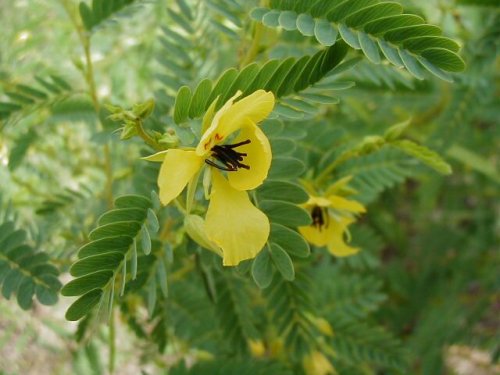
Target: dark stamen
x=319, y=217
x=234, y=145
x=228, y=157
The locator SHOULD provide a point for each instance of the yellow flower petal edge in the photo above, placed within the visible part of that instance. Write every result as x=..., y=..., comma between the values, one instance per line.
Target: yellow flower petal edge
x=336, y=243
x=231, y=117
x=314, y=235
x=315, y=363
x=212, y=135
x=318, y=201
x=234, y=223
x=158, y=157
x=340, y=203
x=254, y=107
x=178, y=167
x=258, y=157
x=195, y=228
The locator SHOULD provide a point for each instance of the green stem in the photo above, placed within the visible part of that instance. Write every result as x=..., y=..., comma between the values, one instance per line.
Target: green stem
x=254, y=48
x=89, y=78
x=112, y=344
x=330, y=168
x=147, y=138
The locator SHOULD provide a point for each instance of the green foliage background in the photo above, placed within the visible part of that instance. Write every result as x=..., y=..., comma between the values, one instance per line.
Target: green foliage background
x=153, y=300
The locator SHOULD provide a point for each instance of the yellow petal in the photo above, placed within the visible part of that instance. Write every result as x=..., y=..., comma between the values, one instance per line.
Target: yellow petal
x=195, y=228
x=315, y=363
x=212, y=135
x=232, y=117
x=340, y=203
x=178, y=167
x=158, y=157
x=257, y=348
x=318, y=201
x=336, y=244
x=338, y=185
x=314, y=235
x=209, y=116
x=254, y=107
x=258, y=158
x=234, y=223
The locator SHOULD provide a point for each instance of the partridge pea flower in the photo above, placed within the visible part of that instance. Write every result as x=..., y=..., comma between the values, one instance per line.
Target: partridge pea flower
x=239, y=155
x=330, y=218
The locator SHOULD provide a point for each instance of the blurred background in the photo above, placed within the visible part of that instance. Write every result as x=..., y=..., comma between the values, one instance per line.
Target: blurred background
x=431, y=268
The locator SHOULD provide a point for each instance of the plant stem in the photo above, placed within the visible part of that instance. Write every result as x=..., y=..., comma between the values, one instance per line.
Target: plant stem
x=112, y=344
x=89, y=78
x=147, y=138
x=254, y=48
x=330, y=168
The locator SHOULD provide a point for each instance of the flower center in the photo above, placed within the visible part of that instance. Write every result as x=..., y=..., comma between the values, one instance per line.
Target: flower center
x=228, y=157
x=319, y=217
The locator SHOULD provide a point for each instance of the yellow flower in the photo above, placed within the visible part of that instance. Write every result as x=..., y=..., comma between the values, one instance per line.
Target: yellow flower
x=330, y=218
x=315, y=363
x=231, y=142
x=257, y=348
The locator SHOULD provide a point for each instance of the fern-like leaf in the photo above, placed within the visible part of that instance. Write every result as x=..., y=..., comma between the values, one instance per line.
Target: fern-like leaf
x=282, y=77
x=24, y=271
x=291, y=304
x=102, y=11
x=377, y=172
x=360, y=344
x=371, y=26
x=24, y=98
x=101, y=260
x=225, y=366
x=234, y=311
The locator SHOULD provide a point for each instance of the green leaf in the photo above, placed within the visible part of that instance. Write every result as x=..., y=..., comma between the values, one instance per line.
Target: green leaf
x=151, y=296
x=262, y=270
x=271, y=19
x=286, y=167
x=200, y=98
x=182, y=104
x=305, y=24
x=122, y=214
x=283, y=190
x=107, y=261
x=285, y=213
x=116, y=243
x=119, y=228
x=444, y=59
x=282, y=262
x=47, y=296
x=86, y=14
x=132, y=201
x=349, y=36
x=133, y=261
x=424, y=154
x=222, y=86
x=370, y=25
x=288, y=20
x=161, y=274
x=291, y=241
x=83, y=305
x=325, y=33
x=258, y=13
x=11, y=282
x=86, y=283
x=282, y=77
x=411, y=64
x=153, y=221
x=145, y=240
x=25, y=293
x=369, y=48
